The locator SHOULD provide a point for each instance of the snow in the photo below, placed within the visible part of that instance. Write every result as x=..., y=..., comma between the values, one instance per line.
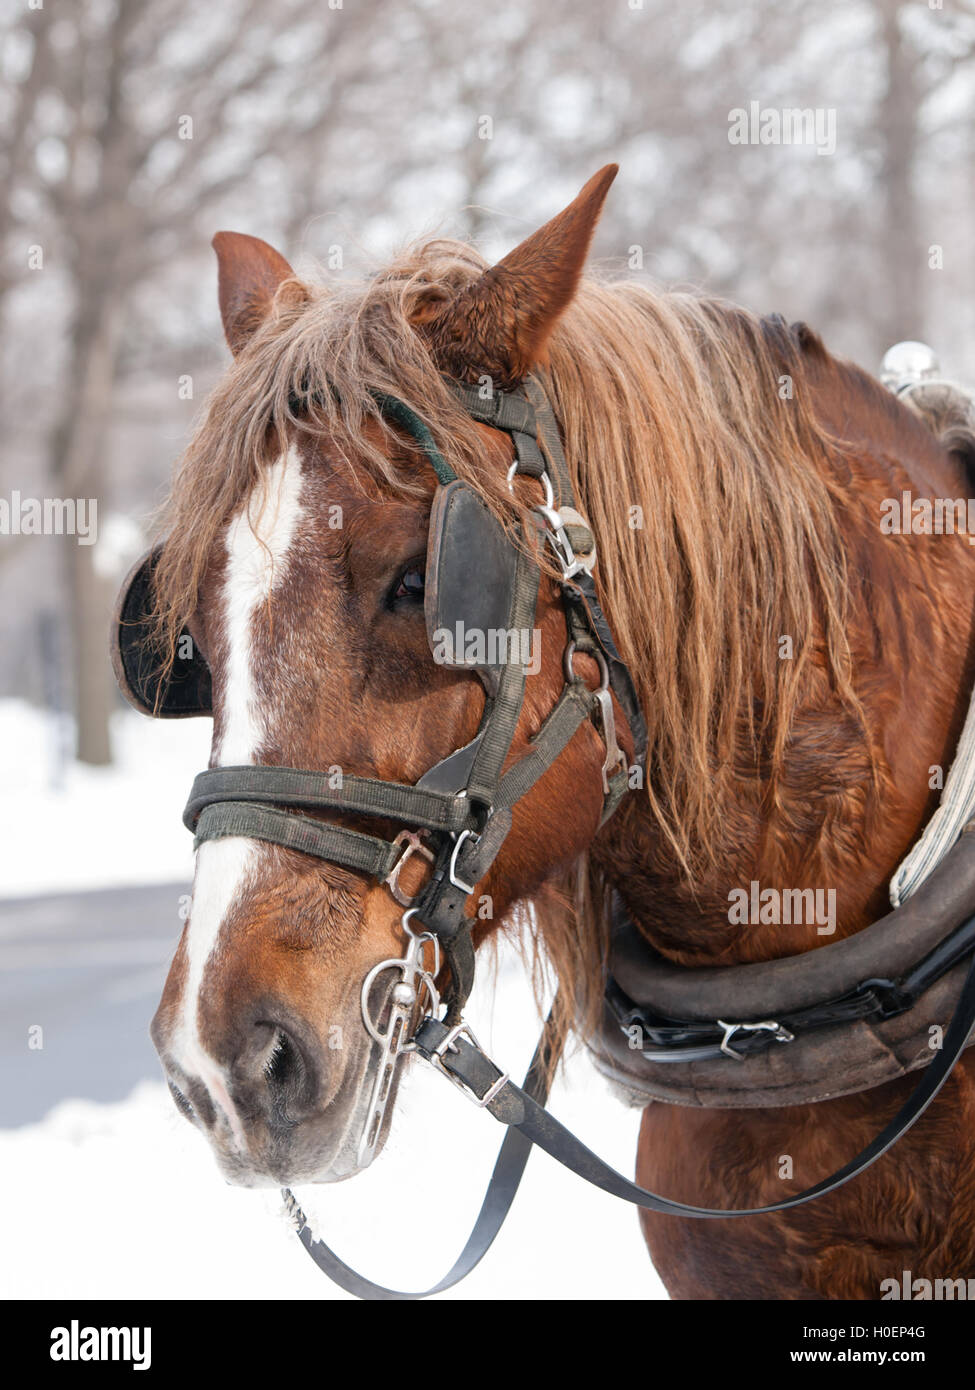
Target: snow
x=125, y=1200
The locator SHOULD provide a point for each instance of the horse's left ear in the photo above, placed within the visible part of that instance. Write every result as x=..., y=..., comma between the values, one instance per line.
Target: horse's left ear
x=250, y=273
x=499, y=325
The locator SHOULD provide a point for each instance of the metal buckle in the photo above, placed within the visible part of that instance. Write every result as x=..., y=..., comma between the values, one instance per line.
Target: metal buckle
x=888, y=994
x=448, y=1044
x=769, y=1025
x=414, y=845
x=572, y=563
x=452, y=870
x=556, y=520
x=545, y=481
x=615, y=757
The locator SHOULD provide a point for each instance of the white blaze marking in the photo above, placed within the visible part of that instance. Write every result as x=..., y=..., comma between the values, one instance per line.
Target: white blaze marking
x=257, y=552
x=258, y=542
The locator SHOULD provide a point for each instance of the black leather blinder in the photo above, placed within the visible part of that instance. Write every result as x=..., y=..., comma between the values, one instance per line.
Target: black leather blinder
x=471, y=574
x=138, y=662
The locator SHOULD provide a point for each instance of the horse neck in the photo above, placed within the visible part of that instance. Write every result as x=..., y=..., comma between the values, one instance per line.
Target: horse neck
x=850, y=800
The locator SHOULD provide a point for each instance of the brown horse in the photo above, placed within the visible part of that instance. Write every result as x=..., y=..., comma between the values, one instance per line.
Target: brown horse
x=800, y=673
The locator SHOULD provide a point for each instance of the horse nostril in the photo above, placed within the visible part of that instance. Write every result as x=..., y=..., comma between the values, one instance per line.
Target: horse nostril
x=183, y=1104
x=283, y=1062
x=287, y=1076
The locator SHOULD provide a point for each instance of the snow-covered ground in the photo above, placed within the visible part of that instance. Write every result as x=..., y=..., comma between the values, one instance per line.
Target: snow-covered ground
x=124, y=1199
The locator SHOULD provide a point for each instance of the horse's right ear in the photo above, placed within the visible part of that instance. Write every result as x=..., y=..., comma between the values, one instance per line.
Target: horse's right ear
x=249, y=274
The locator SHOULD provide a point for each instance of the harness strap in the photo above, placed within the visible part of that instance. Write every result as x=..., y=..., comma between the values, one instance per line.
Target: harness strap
x=249, y=801
x=549, y=438
x=333, y=842
x=504, y=410
x=570, y=711
x=893, y=961
x=441, y=904
x=506, y=708
x=587, y=613
x=619, y=785
x=433, y=810
x=516, y=1107
x=672, y=1039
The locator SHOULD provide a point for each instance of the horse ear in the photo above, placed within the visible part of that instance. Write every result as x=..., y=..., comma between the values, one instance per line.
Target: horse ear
x=249, y=273
x=500, y=324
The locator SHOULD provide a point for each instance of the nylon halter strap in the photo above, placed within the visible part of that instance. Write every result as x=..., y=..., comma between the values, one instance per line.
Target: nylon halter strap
x=464, y=803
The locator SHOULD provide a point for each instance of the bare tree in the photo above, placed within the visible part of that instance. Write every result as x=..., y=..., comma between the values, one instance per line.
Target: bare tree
x=133, y=129
x=154, y=128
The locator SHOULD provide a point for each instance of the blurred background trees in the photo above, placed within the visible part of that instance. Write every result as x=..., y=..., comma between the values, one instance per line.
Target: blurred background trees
x=132, y=130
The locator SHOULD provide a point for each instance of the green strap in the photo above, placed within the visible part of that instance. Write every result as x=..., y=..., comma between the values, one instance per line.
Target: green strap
x=619, y=785
x=504, y=410
x=332, y=842
x=430, y=810
x=550, y=440
x=571, y=710
x=395, y=409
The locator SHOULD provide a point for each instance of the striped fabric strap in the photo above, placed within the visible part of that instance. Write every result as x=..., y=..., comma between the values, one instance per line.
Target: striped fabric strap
x=335, y=843
x=955, y=811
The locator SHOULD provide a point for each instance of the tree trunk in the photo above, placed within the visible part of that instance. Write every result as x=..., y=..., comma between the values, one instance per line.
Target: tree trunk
x=78, y=469
x=901, y=308
x=92, y=683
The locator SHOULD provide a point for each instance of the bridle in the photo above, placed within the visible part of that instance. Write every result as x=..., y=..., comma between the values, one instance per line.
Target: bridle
x=463, y=805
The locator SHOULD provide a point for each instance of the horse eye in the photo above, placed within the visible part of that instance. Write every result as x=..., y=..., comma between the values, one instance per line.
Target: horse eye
x=411, y=584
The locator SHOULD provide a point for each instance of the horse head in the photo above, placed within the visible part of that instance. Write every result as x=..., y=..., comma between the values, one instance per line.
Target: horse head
x=297, y=563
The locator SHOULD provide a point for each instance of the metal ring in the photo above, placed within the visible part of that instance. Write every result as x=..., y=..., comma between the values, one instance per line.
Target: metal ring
x=422, y=937
x=599, y=659
x=411, y=844
x=429, y=936
x=373, y=974
x=424, y=979
x=544, y=479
